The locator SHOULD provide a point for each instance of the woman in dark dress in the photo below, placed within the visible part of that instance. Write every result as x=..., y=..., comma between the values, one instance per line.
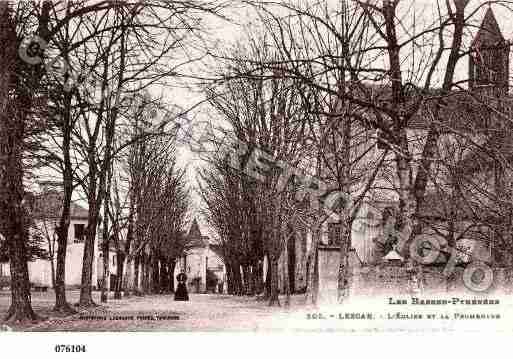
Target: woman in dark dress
x=181, y=289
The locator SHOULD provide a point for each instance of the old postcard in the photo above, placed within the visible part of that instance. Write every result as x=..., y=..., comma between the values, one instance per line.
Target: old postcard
x=331, y=166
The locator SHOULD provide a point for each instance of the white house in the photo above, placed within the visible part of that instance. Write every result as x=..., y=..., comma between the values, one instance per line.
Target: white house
x=47, y=208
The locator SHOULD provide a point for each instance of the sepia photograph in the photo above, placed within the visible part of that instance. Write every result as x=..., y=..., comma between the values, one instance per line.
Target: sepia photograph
x=253, y=166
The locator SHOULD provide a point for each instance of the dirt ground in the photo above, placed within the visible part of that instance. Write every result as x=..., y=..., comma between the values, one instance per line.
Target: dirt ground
x=203, y=312
x=215, y=313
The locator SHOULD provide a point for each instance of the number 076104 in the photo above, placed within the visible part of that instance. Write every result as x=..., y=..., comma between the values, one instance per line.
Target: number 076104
x=66, y=348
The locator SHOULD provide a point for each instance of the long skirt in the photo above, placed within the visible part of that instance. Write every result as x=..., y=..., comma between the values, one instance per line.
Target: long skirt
x=181, y=292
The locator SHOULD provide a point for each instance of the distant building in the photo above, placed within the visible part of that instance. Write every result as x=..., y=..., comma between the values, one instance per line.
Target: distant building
x=201, y=256
x=47, y=207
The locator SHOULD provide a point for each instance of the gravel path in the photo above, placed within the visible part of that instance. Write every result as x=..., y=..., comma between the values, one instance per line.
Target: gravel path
x=208, y=312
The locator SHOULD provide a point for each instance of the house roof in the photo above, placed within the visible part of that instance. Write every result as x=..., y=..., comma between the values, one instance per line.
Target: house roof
x=438, y=207
x=459, y=110
x=49, y=205
x=464, y=112
x=195, y=238
x=194, y=231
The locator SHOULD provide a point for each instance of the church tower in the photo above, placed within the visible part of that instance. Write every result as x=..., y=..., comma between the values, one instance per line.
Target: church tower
x=489, y=57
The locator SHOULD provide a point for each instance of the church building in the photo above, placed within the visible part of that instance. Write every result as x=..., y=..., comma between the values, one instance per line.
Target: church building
x=466, y=220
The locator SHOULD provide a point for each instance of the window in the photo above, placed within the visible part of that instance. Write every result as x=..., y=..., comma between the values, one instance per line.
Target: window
x=334, y=233
x=114, y=260
x=79, y=230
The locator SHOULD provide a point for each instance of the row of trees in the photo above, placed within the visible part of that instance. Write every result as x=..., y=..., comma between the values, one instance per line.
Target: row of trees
x=75, y=83
x=159, y=203
x=335, y=90
x=244, y=178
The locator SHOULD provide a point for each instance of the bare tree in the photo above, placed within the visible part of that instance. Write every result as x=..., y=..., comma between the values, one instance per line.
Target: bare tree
x=264, y=111
x=338, y=50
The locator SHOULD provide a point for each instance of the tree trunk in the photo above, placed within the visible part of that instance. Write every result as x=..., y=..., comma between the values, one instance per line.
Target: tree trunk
x=86, y=298
x=291, y=263
x=229, y=278
x=267, y=282
x=99, y=179
x=253, y=273
x=250, y=286
x=98, y=190
x=144, y=274
x=312, y=289
x=13, y=225
x=302, y=270
x=106, y=235
x=13, y=219
x=155, y=275
x=128, y=277
x=128, y=280
x=61, y=304
x=172, y=266
x=239, y=289
x=164, y=275
x=234, y=280
x=21, y=307
x=147, y=274
x=105, y=271
x=286, y=280
x=137, y=264
x=259, y=277
x=343, y=270
x=52, y=272
x=274, y=299
x=120, y=261
x=245, y=271
x=284, y=237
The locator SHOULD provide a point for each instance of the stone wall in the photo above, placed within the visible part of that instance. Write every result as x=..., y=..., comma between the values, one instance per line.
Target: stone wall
x=387, y=279
x=328, y=260
x=382, y=280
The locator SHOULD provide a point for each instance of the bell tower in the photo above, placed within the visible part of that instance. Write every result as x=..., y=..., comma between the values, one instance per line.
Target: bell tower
x=489, y=57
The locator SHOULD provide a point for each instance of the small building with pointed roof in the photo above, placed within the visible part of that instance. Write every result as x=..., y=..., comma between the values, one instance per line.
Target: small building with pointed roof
x=202, y=263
